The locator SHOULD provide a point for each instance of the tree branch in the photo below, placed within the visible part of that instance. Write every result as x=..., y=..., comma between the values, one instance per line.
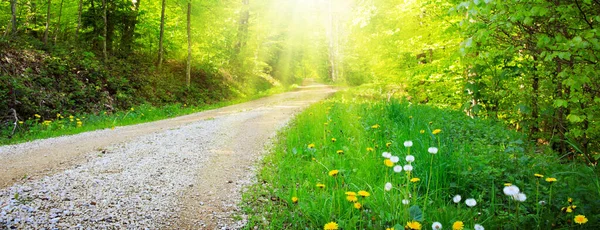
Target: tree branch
x=583, y=14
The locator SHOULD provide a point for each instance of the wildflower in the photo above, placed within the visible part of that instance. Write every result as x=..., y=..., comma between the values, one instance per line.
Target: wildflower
x=357, y=205
x=398, y=168
x=470, y=202
x=132, y=109
x=538, y=175
x=79, y=124
x=386, y=154
x=410, y=158
x=511, y=190
x=37, y=116
x=413, y=225
x=408, y=168
x=432, y=150
x=369, y=149
x=334, y=172
x=422, y=131
x=456, y=199
x=350, y=193
x=567, y=209
x=436, y=225
x=479, y=227
x=388, y=163
x=507, y=184
x=363, y=193
x=570, y=200
x=408, y=144
x=405, y=201
x=351, y=198
x=294, y=199
x=388, y=144
x=551, y=179
x=542, y=202
x=331, y=226
x=388, y=186
x=320, y=185
x=340, y=152
x=521, y=197
x=375, y=126
x=437, y=131
x=415, y=180
x=458, y=225
x=392, y=228
x=46, y=122
x=71, y=117
x=20, y=122
x=311, y=146
x=394, y=159
x=333, y=139
x=580, y=219
x=314, y=159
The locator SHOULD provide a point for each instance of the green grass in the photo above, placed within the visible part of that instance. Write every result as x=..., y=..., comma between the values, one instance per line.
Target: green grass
x=34, y=128
x=476, y=158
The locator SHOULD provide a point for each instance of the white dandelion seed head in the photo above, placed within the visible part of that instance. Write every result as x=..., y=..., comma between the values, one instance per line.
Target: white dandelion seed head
x=410, y=158
x=436, y=225
x=542, y=202
x=456, y=199
x=408, y=168
x=394, y=159
x=388, y=186
x=386, y=154
x=479, y=227
x=405, y=201
x=408, y=144
x=521, y=197
x=471, y=202
x=398, y=168
x=432, y=150
x=511, y=190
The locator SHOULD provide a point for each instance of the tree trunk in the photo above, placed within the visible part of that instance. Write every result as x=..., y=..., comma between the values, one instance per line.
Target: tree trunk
x=13, y=10
x=58, y=24
x=188, y=71
x=535, y=86
x=47, y=22
x=243, y=27
x=561, y=124
x=79, y=19
x=161, y=35
x=130, y=23
x=104, y=50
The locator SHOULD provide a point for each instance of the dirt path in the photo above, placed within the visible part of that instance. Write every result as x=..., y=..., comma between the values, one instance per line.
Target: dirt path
x=191, y=167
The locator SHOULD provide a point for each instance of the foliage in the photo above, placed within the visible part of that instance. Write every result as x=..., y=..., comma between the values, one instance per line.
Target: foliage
x=352, y=132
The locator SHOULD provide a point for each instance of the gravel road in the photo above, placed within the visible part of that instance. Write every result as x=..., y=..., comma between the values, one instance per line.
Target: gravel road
x=182, y=173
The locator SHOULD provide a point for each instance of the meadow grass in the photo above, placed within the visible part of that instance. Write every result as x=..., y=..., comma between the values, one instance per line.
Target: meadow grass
x=38, y=127
x=357, y=141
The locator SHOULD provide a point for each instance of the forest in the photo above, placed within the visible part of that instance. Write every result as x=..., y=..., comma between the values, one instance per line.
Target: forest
x=531, y=66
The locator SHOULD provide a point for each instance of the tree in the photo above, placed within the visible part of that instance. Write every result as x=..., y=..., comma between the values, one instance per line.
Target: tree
x=47, y=22
x=189, y=40
x=161, y=35
x=129, y=23
x=60, y=9
x=13, y=10
x=104, y=40
x=79, y=9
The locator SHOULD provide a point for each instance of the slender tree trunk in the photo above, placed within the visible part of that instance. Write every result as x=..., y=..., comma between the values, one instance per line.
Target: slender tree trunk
x=243, y=27
x=188, y=72
x=58, y=24
x=535, y=85
x=130, y=23
x=47, y=22
x=79, y=19
x=104, y=50
x=13, y=19
x=161, y=35
x=561, y=123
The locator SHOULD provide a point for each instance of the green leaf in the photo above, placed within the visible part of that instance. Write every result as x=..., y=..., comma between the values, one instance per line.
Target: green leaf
x=415, y=213
x=575, y=118
x=560, y=103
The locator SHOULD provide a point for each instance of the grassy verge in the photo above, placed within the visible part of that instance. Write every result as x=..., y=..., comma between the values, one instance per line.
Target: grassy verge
x=357, y=161
x=37, y=127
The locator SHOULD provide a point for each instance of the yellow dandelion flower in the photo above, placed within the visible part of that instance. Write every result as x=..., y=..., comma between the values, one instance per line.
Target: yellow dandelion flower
x=333, y=139
x=37, y=115
x=132, y=109
x=388, y=163
x=71, y=117
x=47, y=122
x=392, y=228
x=311, y=146
x=314, y=159
x=351, y=198
x=413, y=225
x=375, y=126
x=357, y=205
x=580, y=219
x=79, y=124
x=388, y=144
x=409, y=117
x=363, y=193
x=436, y=131
x=570, y=200
x=507, y=184
x=320, y=185
x=294, y=199
x=458, y=225
x=369, y=149
x=538, y=175
x=20, y=122
x=422, y=131
x=58, y=115
x=331, y=226
x=340, y=152
x=350, y=193
x=334, y=172
x=551, y=179
x=414, y=180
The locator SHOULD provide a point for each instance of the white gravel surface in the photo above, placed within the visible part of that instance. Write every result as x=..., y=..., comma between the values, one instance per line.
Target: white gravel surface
x=187, y=177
